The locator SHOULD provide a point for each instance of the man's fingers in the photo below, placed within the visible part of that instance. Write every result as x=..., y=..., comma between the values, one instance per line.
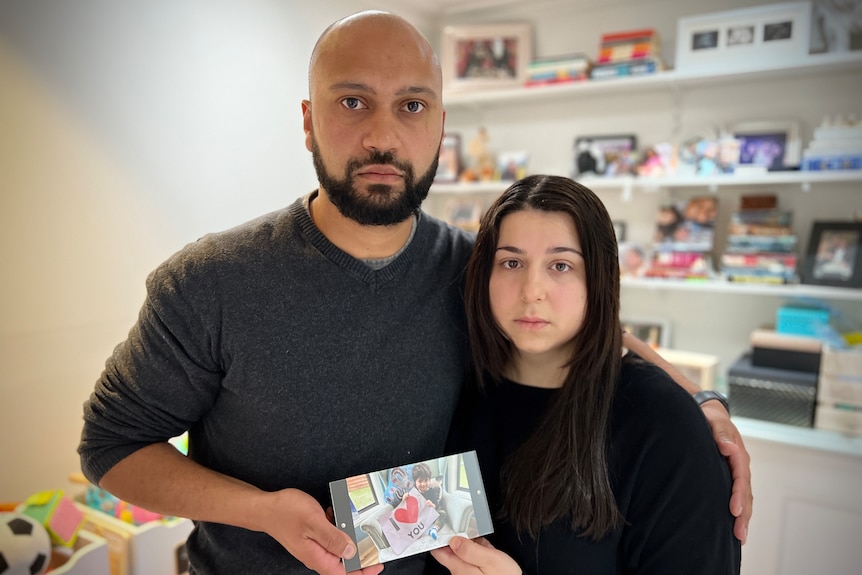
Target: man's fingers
x=332, y=540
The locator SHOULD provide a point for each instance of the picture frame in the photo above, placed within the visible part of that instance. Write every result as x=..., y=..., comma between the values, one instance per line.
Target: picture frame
x=655, y=332
x=449, y=160
x=607, y=155
x=769, y=145
x=512, y=166
x=758, y=37
x=836, y=26
x=619, y=230
x=482, y=56
x=834, y=255
x=465, y=213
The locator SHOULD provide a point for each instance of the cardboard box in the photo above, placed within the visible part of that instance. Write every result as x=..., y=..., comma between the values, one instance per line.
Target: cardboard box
x=841, y=377
x=844, y=420
x=770, y=348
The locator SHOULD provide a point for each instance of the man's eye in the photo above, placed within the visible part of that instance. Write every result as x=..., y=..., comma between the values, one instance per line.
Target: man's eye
x=414, y=107
x=352, y=103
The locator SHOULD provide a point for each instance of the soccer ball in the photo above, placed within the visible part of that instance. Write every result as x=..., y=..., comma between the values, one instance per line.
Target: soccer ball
x=25, y=548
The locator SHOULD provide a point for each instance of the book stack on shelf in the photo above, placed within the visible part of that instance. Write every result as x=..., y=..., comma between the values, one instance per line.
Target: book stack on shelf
x=629, y=53
x=683, y=240
x=558, y=70
x=835, y=146
x=761, y=247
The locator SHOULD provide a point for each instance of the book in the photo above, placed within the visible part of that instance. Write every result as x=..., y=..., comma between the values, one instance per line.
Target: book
x=409, y=509
x=639, y=67
x=558, y=69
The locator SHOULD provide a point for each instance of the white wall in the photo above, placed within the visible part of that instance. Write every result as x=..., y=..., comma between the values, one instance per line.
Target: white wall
x=127, y=129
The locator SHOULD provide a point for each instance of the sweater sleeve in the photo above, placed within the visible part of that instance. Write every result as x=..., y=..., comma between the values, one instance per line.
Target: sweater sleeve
x=160, y=380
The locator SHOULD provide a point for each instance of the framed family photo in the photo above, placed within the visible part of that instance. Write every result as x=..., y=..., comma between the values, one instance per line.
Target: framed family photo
x=834, y=255
x=770, y=145
x=486, y=55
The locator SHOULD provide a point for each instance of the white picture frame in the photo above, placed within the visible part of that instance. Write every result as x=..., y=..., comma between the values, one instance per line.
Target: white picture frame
x=760, y=37
x=486, y=56
x=784, y=134
x=655, y=332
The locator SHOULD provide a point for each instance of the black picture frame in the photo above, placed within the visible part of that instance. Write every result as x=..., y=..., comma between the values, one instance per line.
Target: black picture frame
x=834, y=255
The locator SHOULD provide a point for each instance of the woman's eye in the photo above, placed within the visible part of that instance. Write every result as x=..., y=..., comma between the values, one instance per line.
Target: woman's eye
x=561, y=267
x=510, y=264
x=352, y=103
x=414, y=107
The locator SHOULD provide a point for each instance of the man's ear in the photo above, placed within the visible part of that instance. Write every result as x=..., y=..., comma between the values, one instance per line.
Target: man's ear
x=306, y=123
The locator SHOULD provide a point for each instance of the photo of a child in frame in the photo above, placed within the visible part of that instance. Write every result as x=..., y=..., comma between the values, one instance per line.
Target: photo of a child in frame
x=836, y=254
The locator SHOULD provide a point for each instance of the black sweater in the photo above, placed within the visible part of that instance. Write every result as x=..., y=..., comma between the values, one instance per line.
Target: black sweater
x=670, y=482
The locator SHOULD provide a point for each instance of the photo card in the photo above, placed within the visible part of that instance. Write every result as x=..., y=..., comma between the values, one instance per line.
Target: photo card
x=413, y=508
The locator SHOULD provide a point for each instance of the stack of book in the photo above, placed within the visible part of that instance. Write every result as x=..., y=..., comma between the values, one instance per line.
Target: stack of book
x=629, y=53
x=683, y=239
x=834, y=148
x=761, y=247
x=559, y=69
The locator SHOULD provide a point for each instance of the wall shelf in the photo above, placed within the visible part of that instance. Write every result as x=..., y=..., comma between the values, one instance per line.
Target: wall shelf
x=713, y=183
x=720, y=286
x=669, y=80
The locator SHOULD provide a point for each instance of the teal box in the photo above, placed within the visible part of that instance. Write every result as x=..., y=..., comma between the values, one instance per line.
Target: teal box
x=801, y=321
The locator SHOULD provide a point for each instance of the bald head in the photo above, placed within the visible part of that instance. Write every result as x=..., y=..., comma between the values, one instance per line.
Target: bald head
x=390, y=39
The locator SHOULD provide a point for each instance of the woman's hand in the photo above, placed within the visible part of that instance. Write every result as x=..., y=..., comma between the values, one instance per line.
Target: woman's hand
x=475, y=557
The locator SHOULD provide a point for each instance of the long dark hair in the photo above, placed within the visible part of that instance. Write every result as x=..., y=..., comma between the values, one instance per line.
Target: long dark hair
x=562, y=469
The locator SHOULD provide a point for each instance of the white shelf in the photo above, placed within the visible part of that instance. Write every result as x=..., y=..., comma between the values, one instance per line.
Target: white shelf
x=818, y=439
x=815, y=63
x=720, y=286
x=713, y=183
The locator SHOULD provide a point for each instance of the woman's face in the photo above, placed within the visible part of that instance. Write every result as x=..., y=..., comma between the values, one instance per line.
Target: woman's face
x=538, y=287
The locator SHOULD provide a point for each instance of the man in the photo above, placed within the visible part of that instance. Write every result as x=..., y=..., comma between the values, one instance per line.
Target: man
x=291, y=346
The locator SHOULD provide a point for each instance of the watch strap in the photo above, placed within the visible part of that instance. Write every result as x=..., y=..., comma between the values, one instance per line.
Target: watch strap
x=705, y=395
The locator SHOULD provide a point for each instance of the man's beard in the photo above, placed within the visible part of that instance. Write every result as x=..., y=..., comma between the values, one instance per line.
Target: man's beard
x=382, y=206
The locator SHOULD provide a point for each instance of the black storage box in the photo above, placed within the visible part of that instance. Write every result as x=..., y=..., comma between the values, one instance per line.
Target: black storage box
x=779, y=395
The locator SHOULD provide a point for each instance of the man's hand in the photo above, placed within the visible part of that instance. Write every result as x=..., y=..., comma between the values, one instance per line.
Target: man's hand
x=730, y=445
x=297, y=521
x=475, y=557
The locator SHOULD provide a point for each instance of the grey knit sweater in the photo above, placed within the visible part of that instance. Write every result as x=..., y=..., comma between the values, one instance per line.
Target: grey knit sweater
x=291, y=364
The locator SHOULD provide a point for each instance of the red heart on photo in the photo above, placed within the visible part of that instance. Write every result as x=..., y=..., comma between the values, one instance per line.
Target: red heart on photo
x=410, y=513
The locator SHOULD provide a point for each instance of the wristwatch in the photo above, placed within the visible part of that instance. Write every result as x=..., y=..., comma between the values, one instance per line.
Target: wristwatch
x=703, y=396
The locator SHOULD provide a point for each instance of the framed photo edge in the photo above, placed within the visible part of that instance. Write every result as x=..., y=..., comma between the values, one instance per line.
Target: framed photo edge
x=449, y=166
x=792, y=144
x=452, y=34
x=634, y=325
x=807, y=273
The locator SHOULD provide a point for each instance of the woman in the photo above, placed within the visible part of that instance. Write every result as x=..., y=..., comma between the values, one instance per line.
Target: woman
x=594, y=461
